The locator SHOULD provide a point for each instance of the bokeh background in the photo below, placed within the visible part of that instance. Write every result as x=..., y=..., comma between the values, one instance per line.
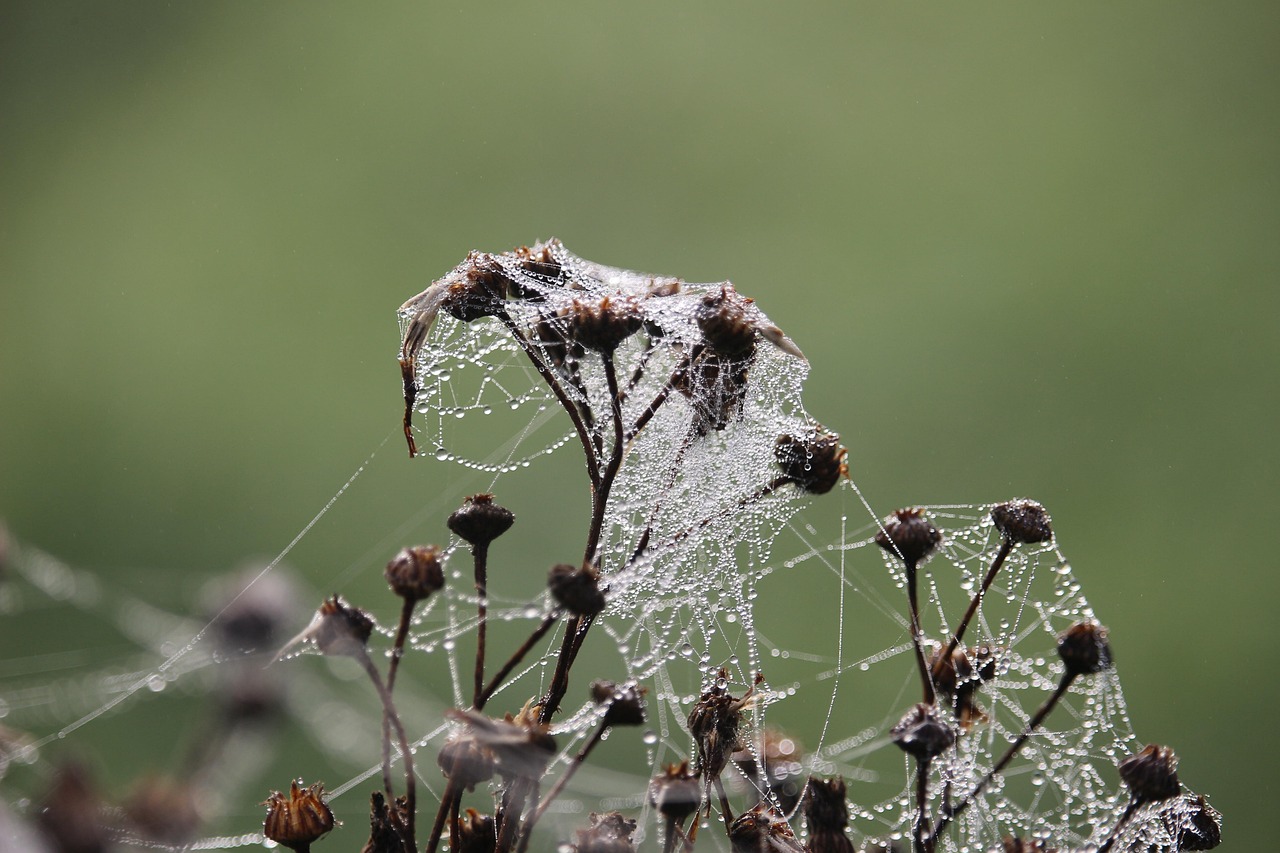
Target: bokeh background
x=1028, y=249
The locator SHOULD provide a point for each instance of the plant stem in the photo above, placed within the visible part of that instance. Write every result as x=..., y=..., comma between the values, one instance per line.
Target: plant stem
x=480, y=555
x=918, y=841
x=397, y=651
x=514, y=661
x=1005, y=547
x=926, y=678
x=389, y=708
x=1120, y=824
x=564, y=780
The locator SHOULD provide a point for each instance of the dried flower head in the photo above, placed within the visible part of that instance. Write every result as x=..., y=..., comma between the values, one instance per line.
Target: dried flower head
x=608, y=833
x=298, y=819
x=542, y=261
x=520, y=747
x=1022, y=521
x=478, y=289
x=826, y=810
x=576, y=589
x=386, y=825
x=760, y=829
x=1194, y=823
x=466, y=760
x=922, y=733
x=625, y=703
x=675, y=792
x=477, y=833
x=815, y=462
x=908, y=534
x=479, y=520
x=415, y=573
x=715, y=723
x=339, y=629
x=1084, y=648
x=725, y=323
x=1151, y=774
x=602, y=326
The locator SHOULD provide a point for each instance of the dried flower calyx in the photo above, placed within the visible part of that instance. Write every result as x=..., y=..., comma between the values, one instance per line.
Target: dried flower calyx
x=624, y=703
x=415, y=573
x=715, y=722
x=386, y=825
x=1194, y=823
x=815, y=462
x=826, y=810
x=730, y=323
x=339, y=629
x=922, y=733
x=1151, y=774
x=603, y=325
x=675, y=792
x=1022, y=521
x=762, y=830
x=297, y=819
x=608, y=833
x=959, y=678
x=909, y=535
x=1084, y=648
x=479, y=520
x=576, y=589
x=476, y=833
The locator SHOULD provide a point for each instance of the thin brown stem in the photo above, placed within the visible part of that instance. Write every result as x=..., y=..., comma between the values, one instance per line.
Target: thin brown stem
x=919, y=844
x=1005, y=547
x=741, y=504
x=447, y=799
x=389, y=708
x=563, y=781
x=397, y=652
x=926, y=678
x=1034, y=723
x=1120, y=824
x=642, y=420
x=514, y=660
x=480, y=556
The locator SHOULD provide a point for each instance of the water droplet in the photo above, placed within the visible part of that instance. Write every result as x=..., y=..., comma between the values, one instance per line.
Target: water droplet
x=650, y=737
x=686, y=650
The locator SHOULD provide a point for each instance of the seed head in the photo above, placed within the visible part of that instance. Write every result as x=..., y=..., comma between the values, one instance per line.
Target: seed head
x=479, y=520
x=608, y=833
x=541, y=260
x=1151, y=774
x=386, y=825
x=675, y=792
x=826, y=809
x=478, y=288
x=1194, y=823
x=476, y=833
x=339, y=629
x=625, y=703
x=909, y=535
x=922, y=733
x=71, y=813
x=603, y=325
x=1022, y=521
x=298, y=819
x=415, y=573
x=1084, y=648
x=762, y=830
x=814, y=462
x=465, y=760
x=727, y=327
x=715, y=722
x=577, y=590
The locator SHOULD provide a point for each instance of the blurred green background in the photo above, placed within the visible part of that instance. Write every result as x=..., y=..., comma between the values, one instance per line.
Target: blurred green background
x=1029, y=249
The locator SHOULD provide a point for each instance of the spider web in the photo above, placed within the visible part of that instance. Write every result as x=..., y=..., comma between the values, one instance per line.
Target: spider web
x=698, y=542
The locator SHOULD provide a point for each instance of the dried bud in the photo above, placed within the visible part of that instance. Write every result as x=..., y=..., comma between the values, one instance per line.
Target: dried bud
x=299, y=819
x=415, y=573
x=1151, y=774
x=1022, y=521
x=725, y=323
x=541, y=261
x=675, y=792
x=714, y=723
x=827, y=812
x=922, y=733
x=1194, y=823
x=476, y=833
x=815, y=462
x=340, y=629
x=385, y=825
x=576, y=589
x=479, y=520
x=608, y=833
x=479, y=290
x=625, y=703
x=1084, y=649
x=910, y=535
x=604, y=325
x=762, y=830
x=465, y=760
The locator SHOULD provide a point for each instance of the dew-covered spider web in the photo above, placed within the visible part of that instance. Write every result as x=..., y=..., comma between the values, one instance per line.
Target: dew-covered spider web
x=721, y=570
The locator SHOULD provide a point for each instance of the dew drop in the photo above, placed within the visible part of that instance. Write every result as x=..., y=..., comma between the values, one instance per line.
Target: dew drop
x=650, y=737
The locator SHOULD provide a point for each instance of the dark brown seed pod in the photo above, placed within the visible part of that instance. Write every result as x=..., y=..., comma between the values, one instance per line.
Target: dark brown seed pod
x=479, y=520
x=602, y=326
x=339, y=629
x=608, y=833
x=726, y=326
x=541, y=261
x=1022, y=521
x=675, y=792
x=1194, y=823
x=577, y=590
x=385, y=825
x=476, y=833
x=480, y=290
x=625, y=702
x=909, y=535
x=715, y=722
x=922, y=733
x=1151, y=774
x=298, y=819
x=826, y=810
x=762, y=830
x=415, y=573
x=814, y=462
x=1084, y=648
